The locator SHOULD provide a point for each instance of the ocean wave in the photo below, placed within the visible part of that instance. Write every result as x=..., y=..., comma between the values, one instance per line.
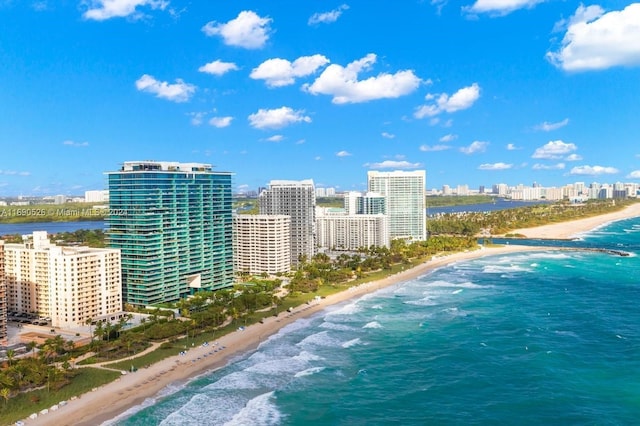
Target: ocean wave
x=309, y=371
x=350, y=309
x=335, y=326
x=260, y=411
x=449, y=284
x=318, y=339
x=352, y=342
x=277, y=367
x=201, y=409
x=235, y=380
x=372, y=324
x=307, y=356
x=504, y=269
x=427, y=301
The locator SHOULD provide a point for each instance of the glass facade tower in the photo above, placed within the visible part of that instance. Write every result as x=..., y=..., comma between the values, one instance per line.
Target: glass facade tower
x=173, y=224
x=405, y=202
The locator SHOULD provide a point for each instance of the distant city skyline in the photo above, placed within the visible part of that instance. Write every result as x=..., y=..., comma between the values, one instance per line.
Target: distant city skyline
x=476, y=93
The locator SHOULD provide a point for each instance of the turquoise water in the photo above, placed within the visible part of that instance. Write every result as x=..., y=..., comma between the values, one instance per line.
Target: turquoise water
x=531, y=338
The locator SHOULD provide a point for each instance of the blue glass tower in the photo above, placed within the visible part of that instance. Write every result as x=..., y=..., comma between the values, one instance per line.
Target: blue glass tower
x=173, y=224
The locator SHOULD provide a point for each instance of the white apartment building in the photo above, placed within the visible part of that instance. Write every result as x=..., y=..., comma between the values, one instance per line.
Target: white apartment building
x=341, y=231
x=296, y=199
x=405, y=201
x=262, y=243
x=68, y=284
x=97, y=196
x=3, y=299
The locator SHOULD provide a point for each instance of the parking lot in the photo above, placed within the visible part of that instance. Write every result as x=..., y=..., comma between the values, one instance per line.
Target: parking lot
x=22, y=318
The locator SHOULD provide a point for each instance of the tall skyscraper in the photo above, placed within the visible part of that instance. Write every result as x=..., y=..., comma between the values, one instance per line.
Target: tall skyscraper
x=173, y=223
x=296, y=199
x=405, y=202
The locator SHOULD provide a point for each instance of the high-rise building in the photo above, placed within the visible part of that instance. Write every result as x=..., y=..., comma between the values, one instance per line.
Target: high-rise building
x=405, y=201
x=67, y=284
x=296, y=199
x=173, y=223
x=358, y=203
x=3, y=299
x=261, y=243
x=342, y=231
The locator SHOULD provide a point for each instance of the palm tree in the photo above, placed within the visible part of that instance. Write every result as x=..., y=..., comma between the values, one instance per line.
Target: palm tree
x=6, y=394
x=143, y=321
x=89, y=322
x=99, y=331
x=11, y=354
x=108, y=328
x=31, y=346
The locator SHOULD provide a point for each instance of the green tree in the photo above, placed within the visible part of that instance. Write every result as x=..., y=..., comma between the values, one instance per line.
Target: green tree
x=6, y=394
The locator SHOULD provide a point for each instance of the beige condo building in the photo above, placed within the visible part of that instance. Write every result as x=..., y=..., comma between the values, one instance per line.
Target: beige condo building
x=262, y=243
x=341, y=231
x=3, y=299
x=67, y=284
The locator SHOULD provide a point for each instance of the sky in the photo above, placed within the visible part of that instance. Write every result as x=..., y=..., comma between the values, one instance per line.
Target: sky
x=475, y=92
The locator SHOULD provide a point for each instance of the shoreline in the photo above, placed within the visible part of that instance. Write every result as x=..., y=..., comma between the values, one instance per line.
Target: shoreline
x=113, y=399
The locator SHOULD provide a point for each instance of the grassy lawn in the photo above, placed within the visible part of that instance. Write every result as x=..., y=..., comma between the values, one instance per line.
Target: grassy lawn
x=22, y=405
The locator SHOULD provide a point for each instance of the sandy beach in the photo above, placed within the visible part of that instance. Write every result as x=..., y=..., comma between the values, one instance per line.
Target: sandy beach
x=571, y=229
x=132, y=389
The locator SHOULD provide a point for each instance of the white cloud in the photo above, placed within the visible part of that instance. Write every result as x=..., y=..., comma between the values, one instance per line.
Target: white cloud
x=218, y=67
x=392, y=164
x=634, y=175
x=342, y=83
x=434, y=148
x=248, y=30
x=275, y=138
x=462, y=99
x=573, y=157
x=280, y=72
x=327, y=17
x=559, y=166
x=476, y=146
x=596, y=40
x=511, y=147
x=277, y=118
x=547, y=127
x=448, y=138
x=593, y=170
x=554, y=150
x=343, y=154
x=500, y=7
x=221, y=122
x=73, y=143
x=387, y=135
x=14, y=173
x=177, y=92
x=100, y=10
x=197, y=117
x=495, y=166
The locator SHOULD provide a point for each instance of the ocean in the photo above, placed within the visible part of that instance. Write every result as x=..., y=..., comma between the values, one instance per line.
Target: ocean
x=550, y=337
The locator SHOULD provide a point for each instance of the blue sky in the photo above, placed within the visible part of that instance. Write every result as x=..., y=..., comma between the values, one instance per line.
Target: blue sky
x=476, y=92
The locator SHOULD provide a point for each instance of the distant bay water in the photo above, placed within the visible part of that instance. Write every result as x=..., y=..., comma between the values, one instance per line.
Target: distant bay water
x=50, y=227
x=500, y=204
